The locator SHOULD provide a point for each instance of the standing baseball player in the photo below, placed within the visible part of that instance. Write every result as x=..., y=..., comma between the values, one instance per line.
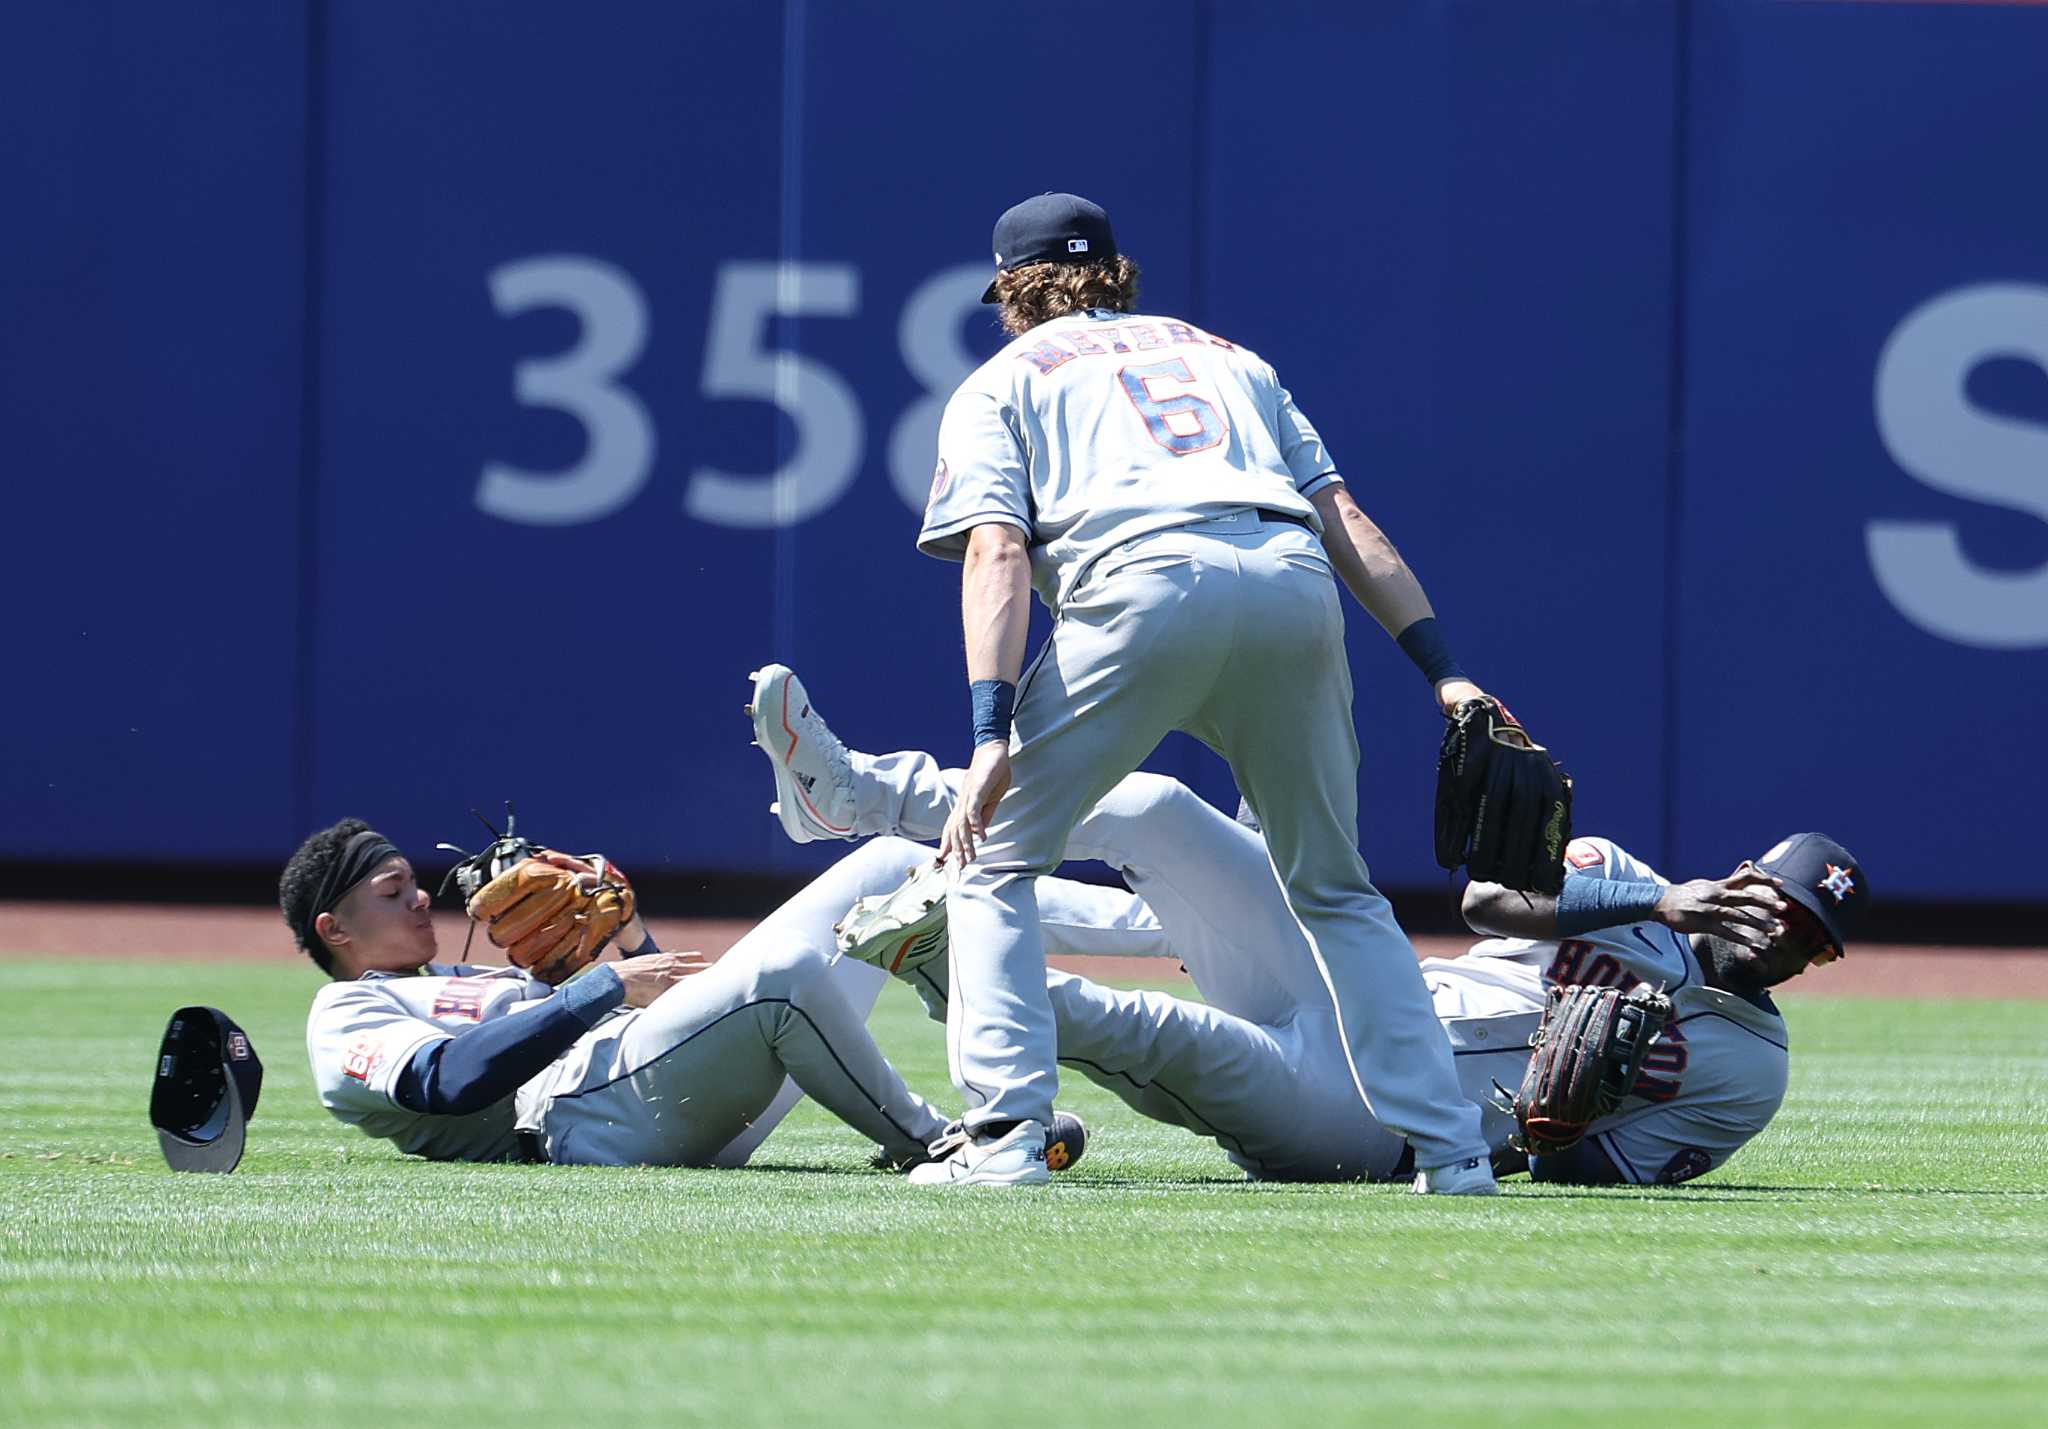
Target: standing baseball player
x=1259, y=1066
x=1164, y=495
x=657, y=1059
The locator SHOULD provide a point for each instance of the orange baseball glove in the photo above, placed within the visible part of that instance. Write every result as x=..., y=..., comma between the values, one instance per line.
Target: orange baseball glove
x=553, y=913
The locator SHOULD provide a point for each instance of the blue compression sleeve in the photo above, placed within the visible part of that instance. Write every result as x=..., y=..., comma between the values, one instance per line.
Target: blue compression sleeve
x=1589, y=903
x=454, y=1076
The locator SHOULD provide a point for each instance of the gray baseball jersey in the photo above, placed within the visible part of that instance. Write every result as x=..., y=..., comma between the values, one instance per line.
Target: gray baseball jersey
x=1096, y=428
x=361, y=1034
x=1161, y=477
x=1716, y=1074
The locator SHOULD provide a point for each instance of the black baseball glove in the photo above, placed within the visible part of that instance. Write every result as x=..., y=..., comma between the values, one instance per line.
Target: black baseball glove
x=1503, y=806
x=1589, y=1050
x=505, y=851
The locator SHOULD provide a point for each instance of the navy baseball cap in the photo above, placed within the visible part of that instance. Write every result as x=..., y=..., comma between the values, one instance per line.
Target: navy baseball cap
x=1821, y=877
x=1052, y=228
x=207, y=1082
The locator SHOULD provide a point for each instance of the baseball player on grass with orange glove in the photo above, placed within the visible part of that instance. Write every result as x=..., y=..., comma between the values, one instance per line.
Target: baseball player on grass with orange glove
x=657, y=1059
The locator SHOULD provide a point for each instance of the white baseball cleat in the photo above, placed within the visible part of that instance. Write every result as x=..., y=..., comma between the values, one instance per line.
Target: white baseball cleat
x=1065, y=1144
x=898, y=932
x=1014, y=1159
x=813, y=777
x=1460, y=1178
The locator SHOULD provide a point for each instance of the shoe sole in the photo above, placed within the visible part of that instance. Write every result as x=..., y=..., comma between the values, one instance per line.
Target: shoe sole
x=904, y=935
x=1031, y=1176
x=769, y=710
x=1468, y=1185
x=1020, y=1167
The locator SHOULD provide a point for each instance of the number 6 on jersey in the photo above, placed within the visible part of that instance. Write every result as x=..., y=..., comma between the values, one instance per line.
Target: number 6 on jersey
x=1179, y=421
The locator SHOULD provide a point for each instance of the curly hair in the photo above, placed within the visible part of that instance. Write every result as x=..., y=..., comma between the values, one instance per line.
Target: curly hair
x=1039, y=292
x=301, y=881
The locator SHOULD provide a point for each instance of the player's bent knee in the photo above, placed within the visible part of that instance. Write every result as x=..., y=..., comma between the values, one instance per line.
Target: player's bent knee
x=1139, y=793
x=1164, y=807
x=880, y=864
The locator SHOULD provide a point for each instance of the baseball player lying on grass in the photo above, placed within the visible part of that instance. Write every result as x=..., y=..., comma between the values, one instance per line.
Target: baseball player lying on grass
x=658, y=1059
x=1259, y=1066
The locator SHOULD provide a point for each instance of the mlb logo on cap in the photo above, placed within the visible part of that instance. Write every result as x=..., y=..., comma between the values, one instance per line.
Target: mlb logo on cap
x=1052, y=228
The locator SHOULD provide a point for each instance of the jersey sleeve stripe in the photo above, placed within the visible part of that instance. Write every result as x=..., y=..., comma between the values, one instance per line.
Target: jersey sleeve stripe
x=932, y=540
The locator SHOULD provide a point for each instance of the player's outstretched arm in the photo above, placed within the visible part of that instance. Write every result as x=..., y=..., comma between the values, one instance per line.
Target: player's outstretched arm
x=1374, y=572
x=455, y=1076
x=1745, y=907
x=1367, y=563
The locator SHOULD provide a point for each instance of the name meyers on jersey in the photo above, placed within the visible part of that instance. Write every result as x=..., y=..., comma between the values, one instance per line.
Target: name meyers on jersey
x=1104, y=340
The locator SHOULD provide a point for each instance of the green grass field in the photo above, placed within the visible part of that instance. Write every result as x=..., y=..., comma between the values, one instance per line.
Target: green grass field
x=1880, y=1255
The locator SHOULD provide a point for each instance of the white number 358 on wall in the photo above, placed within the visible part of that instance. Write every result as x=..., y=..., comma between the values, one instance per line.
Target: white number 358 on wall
x=586, y=383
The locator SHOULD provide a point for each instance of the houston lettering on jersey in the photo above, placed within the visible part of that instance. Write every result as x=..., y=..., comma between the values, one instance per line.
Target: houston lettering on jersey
x=1572, y=967
x=1659, y=1081
x=460, y=997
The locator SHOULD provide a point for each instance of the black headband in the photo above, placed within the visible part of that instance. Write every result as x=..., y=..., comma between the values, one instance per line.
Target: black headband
x=359, y=859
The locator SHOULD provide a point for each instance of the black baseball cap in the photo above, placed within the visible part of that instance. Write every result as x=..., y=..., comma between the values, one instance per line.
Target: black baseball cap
x=1052, y=228
x=1821, y=876
x=207, y=1082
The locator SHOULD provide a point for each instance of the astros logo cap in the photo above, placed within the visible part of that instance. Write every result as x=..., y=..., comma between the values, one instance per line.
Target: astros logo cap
x=1823, y=878
x=1052, y=228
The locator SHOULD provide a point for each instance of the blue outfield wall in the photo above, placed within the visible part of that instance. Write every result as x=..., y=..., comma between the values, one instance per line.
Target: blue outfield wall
x=1696, y=355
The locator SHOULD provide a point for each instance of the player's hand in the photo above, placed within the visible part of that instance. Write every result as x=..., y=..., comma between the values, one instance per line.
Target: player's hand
x=986, y=781
x=648, y=977
x=1452, y=693
x=585, y=871
x=1744, y=907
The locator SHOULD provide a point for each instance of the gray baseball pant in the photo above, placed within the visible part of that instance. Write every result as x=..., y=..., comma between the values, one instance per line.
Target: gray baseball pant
x=1260, y=1067
x=1232, y=631
x=701, y=1075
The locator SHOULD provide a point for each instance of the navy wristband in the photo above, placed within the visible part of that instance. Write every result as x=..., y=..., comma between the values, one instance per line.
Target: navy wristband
x=1423, y=642
x=590, y=997
x=1588, y=903
x=994, y=703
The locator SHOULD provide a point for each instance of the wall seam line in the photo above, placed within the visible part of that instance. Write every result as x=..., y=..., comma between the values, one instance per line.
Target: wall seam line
x=314, y=201
x=1674, y=486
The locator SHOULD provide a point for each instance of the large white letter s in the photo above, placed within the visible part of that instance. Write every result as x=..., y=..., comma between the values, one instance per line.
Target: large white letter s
x=1927, y=423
